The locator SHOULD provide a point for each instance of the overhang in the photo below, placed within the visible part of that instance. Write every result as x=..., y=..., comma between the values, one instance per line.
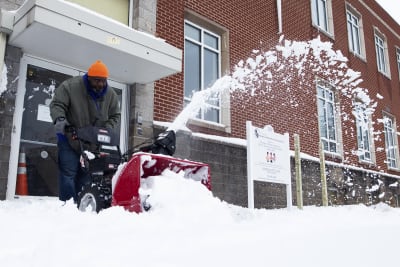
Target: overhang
x=74, y=36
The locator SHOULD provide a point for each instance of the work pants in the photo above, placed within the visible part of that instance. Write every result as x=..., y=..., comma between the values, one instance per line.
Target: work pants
x=71, y=176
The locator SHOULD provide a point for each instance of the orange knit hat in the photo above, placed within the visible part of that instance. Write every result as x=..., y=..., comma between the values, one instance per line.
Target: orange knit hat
x=98, y=69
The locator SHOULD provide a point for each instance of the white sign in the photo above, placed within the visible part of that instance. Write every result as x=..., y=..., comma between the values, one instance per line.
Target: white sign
x=268, y=159
x=44, y=113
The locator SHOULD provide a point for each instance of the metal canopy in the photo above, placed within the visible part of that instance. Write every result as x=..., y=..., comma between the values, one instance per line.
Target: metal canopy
x=74, y=36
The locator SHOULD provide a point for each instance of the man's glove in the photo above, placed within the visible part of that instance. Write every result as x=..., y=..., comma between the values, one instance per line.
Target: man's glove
x=60, y=124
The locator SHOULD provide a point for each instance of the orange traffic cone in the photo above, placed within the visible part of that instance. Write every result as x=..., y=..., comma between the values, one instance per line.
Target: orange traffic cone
x=22, y=179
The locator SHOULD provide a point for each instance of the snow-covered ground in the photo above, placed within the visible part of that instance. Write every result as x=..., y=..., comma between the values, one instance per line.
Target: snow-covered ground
x=187, y=226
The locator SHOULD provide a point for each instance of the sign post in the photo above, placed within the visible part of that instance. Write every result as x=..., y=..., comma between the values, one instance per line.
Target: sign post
x=268, y=160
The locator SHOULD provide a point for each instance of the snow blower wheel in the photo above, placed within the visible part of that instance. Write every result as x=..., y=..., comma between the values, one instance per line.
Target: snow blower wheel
x=91, y=198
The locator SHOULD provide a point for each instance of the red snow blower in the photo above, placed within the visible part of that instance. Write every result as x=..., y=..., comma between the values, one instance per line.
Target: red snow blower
x=116, y=178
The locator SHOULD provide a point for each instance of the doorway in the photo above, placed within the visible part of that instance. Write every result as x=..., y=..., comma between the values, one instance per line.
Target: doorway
x=34, y=140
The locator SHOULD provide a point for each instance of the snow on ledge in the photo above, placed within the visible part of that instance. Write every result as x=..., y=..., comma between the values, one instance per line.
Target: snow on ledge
x=243, y=143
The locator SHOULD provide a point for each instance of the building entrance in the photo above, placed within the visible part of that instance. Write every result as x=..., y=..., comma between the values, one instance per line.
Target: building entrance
x=37, y=143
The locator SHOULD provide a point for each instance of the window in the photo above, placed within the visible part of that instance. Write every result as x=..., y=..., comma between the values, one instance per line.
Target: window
x=202, y=67
x=398, y=60
x=321, y=11
x=381, y=53
x=363, y=124
x=116, y=9
x=355, y=32
x=327, y=118
x=390, y=141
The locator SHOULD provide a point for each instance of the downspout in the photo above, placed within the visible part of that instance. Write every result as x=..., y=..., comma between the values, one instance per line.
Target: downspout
x=3, y=44
x=6, y=27
x=279, y=9
x=130, y=14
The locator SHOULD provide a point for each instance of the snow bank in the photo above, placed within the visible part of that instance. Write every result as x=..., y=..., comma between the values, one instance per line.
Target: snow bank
x=189, y=227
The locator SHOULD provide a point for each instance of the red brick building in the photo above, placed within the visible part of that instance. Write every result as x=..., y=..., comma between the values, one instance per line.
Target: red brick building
x=245, y=26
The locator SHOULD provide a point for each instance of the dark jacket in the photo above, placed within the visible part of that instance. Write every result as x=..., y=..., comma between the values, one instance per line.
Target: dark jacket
x=81, y=106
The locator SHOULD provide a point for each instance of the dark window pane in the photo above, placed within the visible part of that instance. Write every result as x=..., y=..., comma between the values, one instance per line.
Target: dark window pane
x=192, y=68
x=211, y=40
x=36, y=122
x=192, y=32
x=211, y=114
x=332, y=147
x=210, y=68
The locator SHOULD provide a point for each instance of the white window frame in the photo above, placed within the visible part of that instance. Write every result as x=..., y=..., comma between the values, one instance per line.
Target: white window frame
x=391, y=145
x=363, y=124
x=329, y=101
x=204, y=47
x=355, y=32
x=381, y=51
x=321, y=11
x=398, y=60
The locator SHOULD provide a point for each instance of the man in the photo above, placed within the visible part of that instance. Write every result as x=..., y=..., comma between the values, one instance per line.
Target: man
x=79, y=102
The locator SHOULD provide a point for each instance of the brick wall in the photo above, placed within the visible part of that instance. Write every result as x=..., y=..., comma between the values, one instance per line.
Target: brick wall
x=253, y=25
x=168, y=94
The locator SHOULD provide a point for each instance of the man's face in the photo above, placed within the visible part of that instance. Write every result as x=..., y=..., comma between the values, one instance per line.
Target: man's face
x=97, y=83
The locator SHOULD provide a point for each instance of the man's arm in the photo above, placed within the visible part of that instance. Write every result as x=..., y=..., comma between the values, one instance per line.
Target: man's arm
x=114, y=114
x=60, y=102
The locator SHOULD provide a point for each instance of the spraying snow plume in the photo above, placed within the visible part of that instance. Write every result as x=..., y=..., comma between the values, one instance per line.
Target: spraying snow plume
x=300, y=62
x=199, y=99
x=292, y=65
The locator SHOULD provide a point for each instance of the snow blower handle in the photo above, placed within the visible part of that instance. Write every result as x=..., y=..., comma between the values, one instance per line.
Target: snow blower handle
x=165, y=144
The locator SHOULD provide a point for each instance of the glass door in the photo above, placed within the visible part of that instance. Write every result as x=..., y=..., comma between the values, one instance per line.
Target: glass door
x=122, y=92
x=37, y=142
